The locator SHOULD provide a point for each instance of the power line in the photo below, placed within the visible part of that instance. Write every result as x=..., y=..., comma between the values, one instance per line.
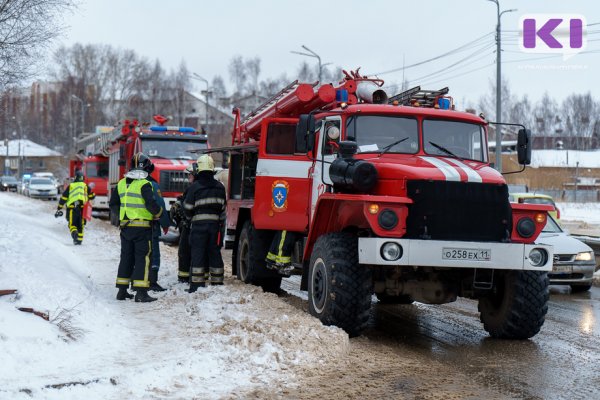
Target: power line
x=450, y=68
x=451, y=52
x=459, y=75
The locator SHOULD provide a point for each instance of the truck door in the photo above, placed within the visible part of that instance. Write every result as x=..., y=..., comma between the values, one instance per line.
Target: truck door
x=282, y=179
x=324, y=155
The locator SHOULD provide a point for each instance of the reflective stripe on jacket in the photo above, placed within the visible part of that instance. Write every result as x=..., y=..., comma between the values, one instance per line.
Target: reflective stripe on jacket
x=132, y=203
x=77, y=192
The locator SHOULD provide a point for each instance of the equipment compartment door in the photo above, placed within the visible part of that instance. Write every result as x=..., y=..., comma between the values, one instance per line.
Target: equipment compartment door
x=282, y=179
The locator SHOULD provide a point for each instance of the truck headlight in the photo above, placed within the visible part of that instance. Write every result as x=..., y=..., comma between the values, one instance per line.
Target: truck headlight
x=584, y=256
x=538, y=257
x=391, y=251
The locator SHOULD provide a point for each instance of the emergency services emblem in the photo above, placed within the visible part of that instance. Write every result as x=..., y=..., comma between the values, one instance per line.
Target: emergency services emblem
x=280, y=191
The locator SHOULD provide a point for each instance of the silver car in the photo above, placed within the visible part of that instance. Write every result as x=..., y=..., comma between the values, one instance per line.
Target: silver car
x=574, y=261
x=42, y=188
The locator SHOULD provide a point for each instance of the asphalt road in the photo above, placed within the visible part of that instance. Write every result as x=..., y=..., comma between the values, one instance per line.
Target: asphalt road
x=439, y=352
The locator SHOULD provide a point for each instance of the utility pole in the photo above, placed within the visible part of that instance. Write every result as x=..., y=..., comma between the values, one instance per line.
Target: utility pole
x=82, y=112
x=198, y=77
x=314, y=55
x=499, y=85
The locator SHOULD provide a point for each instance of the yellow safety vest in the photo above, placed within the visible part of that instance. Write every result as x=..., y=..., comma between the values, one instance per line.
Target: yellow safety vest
x=77, y=192
x=132, y=203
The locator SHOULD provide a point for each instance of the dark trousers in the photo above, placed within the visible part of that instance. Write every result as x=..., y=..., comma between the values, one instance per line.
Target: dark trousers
x=75, y=218
x=155, y=249
x=206, y=253
x=136, y=249
x=282, y=247
x=184, y=252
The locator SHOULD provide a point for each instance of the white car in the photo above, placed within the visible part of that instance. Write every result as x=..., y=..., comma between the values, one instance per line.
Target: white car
x=42, y=188
x=574, y=261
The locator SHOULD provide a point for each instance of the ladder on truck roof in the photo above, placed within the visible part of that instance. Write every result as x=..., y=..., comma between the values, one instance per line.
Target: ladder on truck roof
x=425, y=98
x=272, y=101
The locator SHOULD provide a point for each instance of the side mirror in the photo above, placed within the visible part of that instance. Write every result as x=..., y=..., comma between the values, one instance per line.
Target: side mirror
x=305, y=133
x=524, y=146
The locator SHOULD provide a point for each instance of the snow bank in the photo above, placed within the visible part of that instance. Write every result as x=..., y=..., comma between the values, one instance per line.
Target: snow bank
x=220, y=342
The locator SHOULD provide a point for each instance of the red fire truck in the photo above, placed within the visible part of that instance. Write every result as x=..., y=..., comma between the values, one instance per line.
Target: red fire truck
x=393, y=197
x=169, y=147
x=92, y=159
x=108, y=156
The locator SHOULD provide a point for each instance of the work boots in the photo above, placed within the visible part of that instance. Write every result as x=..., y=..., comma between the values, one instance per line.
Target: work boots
x=195, y=286
x=154, y=286
x=74, y=236
x=141, y=296
x=123, y=294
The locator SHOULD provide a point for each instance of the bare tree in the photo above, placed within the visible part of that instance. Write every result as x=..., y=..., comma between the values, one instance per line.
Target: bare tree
x=580, y=113
x=26, y=28
x=252, y=67
x=546, y=112
x=238, y=74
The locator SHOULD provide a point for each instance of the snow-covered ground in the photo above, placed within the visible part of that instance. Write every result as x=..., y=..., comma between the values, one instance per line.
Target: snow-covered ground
x=220, y=342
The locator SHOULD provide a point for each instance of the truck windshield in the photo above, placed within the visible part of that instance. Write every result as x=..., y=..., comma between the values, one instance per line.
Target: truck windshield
x=172, y=149
x=374, y=133
x=97, y=169
x=453, y=139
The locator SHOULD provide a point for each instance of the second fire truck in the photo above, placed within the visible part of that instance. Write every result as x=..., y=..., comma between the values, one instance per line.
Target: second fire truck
x=393, y=197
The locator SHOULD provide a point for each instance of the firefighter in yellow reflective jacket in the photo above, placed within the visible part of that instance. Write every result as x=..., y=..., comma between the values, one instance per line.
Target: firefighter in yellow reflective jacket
x=134, y=201
x=75, y=196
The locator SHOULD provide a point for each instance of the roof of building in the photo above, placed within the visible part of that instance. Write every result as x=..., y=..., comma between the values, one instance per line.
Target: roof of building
x=26, y=148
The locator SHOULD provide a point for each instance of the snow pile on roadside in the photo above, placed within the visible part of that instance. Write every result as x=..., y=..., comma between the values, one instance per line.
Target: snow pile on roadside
x=220, y=342
x=586, y=212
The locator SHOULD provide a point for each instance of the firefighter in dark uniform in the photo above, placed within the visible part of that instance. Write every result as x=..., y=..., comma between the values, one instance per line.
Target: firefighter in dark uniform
x=279, y=256
x=74, y=197
x=183, y=225
x=134, y=200
x=204, y=204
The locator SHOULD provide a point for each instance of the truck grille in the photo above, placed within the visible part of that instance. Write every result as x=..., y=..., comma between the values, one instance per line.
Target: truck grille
x=173, y=181
x=459, y=211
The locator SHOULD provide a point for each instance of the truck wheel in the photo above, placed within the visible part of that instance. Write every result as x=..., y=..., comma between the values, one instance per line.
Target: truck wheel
x=516, y=306
x=339, y=289
x=387, y=299
x=253, y=246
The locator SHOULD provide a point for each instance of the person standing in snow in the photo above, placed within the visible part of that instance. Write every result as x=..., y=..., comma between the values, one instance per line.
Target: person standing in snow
x=204, y=205
x=74, y=197
x=163, y=222
x=184, y=255
x=134, y=200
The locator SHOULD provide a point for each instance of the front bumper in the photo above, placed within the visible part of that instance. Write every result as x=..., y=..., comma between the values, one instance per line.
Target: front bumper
x=428, y=253
x=43, y=195
x=100, y=203
x=579, y=274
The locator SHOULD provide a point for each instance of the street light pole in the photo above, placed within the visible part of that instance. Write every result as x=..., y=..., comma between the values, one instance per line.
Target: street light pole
x=82, y=111
x=499, y=85
x=314, y=55
x=198, y=77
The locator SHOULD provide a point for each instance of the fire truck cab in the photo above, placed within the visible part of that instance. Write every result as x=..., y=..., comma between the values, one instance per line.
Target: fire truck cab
x=387, y=196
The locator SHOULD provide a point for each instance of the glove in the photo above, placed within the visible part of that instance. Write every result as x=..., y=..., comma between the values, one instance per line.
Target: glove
x=165, y=231
x=58, y=213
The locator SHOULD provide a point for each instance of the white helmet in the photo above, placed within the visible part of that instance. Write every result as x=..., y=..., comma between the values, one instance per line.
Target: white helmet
x=205, y=163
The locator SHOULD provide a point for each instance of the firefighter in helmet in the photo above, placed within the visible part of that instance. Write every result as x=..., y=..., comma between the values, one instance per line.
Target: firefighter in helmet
x=134, y=200
x=162, y=223
x=74, y=197
x=204, y=204
x=183, y=225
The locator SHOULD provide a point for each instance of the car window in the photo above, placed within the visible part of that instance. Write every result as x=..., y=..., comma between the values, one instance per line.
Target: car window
x=551, y=226
x=538, y=200
x=41, y=182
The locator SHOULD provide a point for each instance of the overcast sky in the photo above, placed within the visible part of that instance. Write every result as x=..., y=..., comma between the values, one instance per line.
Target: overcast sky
x=376, y=35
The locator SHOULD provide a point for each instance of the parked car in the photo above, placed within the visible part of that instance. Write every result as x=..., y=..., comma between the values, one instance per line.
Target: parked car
x=42, y=188
x=536, y=198
x=574, y=261
x=23, y=184
x=8, y=183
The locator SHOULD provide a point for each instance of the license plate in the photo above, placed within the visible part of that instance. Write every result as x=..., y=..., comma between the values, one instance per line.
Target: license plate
x=455, y=253
x=564, y=269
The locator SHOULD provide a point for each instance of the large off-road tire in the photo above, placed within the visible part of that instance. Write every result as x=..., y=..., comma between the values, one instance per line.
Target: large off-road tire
x=252, y=249
x=339, y=289
x=387, y=299
x=516, y=306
